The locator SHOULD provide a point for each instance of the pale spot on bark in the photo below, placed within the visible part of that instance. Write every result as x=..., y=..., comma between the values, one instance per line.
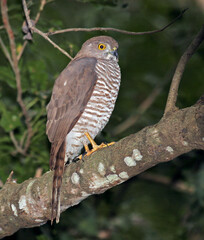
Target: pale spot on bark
x=22, y=203
x=103, y=182
x=137, y=155
x=112, y=168
x=81, y=170
x=1, y=229
x=101, y=169
x=185, y=143
x=74, y=191
x=123, y=175
x=65, y=83
x=113, y=178
x=38, y=189
x=129, y=161
x=13, y=207
x=39, y=220
x=169, y=149
x=203, y=139
x=98, y=182
x=2, y=208
x=75, y=178
x=154, y=131
x=29, y=186
x=84, y=194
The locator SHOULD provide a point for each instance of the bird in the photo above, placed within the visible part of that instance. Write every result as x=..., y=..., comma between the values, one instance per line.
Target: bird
x=82, y=101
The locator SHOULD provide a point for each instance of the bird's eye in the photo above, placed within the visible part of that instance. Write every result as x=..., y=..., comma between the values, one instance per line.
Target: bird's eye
x=101, y=46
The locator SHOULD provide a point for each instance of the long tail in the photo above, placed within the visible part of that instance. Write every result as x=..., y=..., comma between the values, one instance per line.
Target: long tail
x=57, y=182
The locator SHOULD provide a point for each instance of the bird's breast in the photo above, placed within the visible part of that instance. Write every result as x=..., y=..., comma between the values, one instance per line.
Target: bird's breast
x=99, y=107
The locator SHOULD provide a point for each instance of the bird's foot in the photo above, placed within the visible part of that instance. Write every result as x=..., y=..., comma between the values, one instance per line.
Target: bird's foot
x=94, y=145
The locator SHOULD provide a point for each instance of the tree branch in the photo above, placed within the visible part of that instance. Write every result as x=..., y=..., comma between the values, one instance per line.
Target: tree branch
x=178, y=185
x=28, y=204
x=42, y=5
x=34, y=29
x=19, y=148
x=146, y=104
x=16, y=69
x=173, y=92
x=115, y=29
x=6, y=53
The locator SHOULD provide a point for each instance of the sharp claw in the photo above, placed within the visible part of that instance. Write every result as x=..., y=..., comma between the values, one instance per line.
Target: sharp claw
x=95, y=147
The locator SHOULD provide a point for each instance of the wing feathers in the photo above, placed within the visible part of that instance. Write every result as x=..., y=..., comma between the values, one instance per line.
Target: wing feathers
x=71, y=92
x=57, y=182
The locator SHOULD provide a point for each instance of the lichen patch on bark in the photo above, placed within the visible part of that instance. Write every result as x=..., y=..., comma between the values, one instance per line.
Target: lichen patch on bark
x=169, y=149
x=101, y=169
x=75, y=178
x=13, y=207
x=137, y=155
x=123, y=175
x=129, y=161
x=22, y=203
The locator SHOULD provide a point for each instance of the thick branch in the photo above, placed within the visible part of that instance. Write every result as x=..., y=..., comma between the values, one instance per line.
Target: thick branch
x=28, y=204
x=173, y=92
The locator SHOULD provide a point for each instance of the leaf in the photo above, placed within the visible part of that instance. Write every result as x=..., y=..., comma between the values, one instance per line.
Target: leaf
x=37, y=80
x=9, y=120
x=7, y=76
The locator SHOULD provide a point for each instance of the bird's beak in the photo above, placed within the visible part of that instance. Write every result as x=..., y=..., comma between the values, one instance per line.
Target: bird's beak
x=114, y=52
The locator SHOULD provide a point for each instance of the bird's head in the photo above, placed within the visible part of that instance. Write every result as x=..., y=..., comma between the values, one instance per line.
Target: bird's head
x=101, y=47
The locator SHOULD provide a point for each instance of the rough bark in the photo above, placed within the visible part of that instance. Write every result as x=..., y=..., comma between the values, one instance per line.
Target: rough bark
x=28, y=204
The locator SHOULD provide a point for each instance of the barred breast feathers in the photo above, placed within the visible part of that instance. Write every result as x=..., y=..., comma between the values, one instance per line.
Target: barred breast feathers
x=98, y=109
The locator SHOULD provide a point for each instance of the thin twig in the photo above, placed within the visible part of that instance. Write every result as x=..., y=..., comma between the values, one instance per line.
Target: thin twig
x=53, y=43
x=6, y=53
x=23, y=137
x=38, y=172
x=42, y=4
x=146, y=104
x=178, y=186
x=115, y=29
x=19, y=149
x=34, y=29
x=173, y=92
x=141, y=110
x=16, y=71
x=9, y=179
x=22, y=50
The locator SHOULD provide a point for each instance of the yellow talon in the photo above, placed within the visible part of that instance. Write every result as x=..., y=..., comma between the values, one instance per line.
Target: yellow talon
x=95, y=147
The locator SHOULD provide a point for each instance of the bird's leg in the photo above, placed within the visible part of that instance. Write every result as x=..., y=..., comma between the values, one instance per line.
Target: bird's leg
x=95, y=147
x=86, y=147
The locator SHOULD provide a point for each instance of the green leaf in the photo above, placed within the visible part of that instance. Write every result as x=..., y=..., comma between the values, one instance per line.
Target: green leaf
x=7, y=76
x=10, y=120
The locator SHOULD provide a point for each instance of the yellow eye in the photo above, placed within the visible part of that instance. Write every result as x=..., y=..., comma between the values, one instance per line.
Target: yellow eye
x=101, y=46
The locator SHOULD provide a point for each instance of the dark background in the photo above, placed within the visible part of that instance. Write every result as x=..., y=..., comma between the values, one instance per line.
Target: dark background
x=138, y=209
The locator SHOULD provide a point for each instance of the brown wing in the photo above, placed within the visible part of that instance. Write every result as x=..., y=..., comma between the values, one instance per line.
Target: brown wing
x=71, y=92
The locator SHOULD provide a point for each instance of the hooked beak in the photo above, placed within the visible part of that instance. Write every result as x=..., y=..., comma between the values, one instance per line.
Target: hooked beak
x=114, y=52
